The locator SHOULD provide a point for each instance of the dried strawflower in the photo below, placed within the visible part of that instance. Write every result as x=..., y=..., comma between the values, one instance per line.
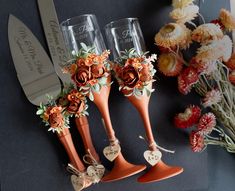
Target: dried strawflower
x=210, y=68
x=218, y=22
x=185, y=14
x=200, y=66
x=231, y=62
x=232, y=77
x=211, y=98
x=210, y=52
x=206, y=123
x=173, y=35
x=169, y=64
x=187, y=78
x=187, y=119
x=181, y=3
x=226, y=46
x=183, y=87
x=206, y=33
x=196, y=141
x=227, y=19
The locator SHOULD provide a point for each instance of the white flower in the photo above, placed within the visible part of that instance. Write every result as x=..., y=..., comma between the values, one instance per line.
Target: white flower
x=185, y=14
x=211, y=98
x=206, y=33
x=209, y=53
x=226, y=46
x=210, y=68
x=181, y=3
x=151, y=58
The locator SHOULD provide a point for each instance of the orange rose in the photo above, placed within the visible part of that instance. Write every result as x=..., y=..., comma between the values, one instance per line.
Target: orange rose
x=82, y=76
x=97, y=70
x=56, y=120
x=75, y=96
x=130, y=76
x=75, y=107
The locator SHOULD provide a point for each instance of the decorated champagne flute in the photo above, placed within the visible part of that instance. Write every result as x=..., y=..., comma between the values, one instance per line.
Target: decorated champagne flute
x=134, y=72
x=90, y=70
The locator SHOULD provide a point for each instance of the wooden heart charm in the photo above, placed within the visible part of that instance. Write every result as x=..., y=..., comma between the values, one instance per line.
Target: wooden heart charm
x=78, y=182
x=152, y=157
x=96, y=172
x=111, y=152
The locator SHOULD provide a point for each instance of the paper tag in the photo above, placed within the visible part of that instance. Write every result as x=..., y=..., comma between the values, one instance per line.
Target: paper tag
x=96, y=172
x=78, y=182
x=152, y=157
x=111, y=152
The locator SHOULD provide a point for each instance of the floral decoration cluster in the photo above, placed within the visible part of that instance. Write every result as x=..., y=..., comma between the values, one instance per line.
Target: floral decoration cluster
x=134, y=73
x=89, y=70
x=210, y=72
x=57, y=112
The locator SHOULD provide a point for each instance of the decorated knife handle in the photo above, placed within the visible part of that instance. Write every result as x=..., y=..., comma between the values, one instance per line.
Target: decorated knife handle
x=84, y=130
x=66, y=140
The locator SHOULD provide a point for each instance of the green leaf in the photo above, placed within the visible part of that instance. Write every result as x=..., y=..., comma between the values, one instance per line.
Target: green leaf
x=91, y=97
x=84, y=46
x=96, y=88
x=40, y=112
x=137, y=92
x=103, y=81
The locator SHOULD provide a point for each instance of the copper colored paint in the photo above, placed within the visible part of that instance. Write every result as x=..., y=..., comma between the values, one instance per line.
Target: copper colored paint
x=159, y=171
x=66, y=139
x=83, y=128
x=122, y=168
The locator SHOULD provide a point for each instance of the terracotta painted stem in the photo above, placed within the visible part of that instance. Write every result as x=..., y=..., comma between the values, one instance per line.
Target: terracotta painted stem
x=84, y=130
x=141, y=104
x=66, y=139
x=101, y=101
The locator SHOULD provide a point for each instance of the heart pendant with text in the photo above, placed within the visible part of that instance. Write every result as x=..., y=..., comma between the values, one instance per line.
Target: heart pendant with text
x=78, y=182
x=111, y=152
x=96, y=172
x=152, y=157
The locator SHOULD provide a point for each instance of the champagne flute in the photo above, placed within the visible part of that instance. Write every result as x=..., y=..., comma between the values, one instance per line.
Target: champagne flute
x=126, y=42
x=83, y=37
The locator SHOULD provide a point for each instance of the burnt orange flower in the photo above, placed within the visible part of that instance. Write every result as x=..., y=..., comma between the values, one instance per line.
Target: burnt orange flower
x=54, y=116
x=82, y=76
x=98, y=70
x=76, y=107
x=75, y=96
x=56, y=120
x=130, y=76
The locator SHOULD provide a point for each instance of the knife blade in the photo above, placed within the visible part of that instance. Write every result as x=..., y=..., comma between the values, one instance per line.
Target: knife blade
x=54, y=37
x=33, y=66
x=37, y=76
x=55, y=41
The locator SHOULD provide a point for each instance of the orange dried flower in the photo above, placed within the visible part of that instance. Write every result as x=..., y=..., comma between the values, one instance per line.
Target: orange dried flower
x=169, y=65
x=232, y=77
x=231, y=62
x=227, y=19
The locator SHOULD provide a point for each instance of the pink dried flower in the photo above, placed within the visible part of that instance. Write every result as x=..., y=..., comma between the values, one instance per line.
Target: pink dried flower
x=187, y=79
x=196, y=141
x=211, y=98
x=210, y=67
x=206, y=123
